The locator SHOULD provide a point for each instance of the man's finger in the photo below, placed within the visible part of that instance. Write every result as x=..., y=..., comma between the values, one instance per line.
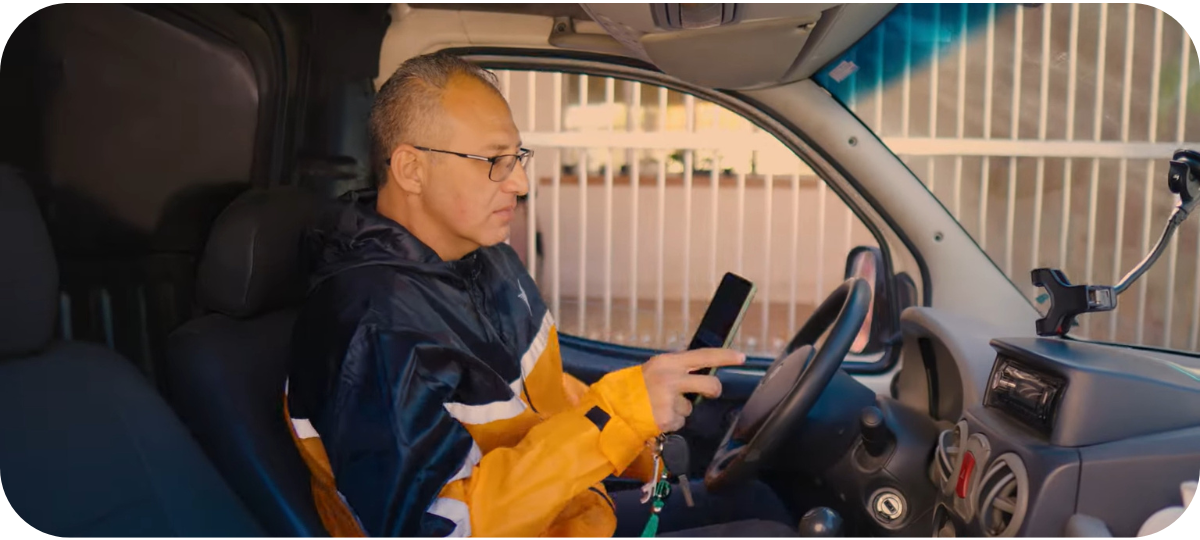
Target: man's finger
x=705, y=385
x=702, y=358
x=683, y=407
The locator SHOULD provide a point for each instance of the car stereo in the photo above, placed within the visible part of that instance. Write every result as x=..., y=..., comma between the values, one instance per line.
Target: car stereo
x=1028, y=395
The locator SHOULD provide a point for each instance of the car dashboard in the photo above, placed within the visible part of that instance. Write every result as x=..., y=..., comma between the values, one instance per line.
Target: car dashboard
x=1067, y=429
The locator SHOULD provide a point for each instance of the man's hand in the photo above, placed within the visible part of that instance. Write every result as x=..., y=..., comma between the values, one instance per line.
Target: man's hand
x=669, y=376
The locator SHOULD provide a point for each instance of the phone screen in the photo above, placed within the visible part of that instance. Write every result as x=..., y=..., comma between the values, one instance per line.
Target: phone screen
x=723, y=317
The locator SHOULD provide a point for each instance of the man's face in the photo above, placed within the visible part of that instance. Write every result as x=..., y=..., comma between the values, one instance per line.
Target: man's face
x=459, y=195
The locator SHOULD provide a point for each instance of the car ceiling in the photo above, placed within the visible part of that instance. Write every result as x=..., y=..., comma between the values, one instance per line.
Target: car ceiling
x=747, y=46
x=574, y=11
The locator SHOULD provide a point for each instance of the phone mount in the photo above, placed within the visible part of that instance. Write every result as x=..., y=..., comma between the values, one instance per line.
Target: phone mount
x=1068, y=301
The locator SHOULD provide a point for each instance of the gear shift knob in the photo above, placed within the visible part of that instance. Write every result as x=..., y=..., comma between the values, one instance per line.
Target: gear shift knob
x=821, y=522
x=875, y=433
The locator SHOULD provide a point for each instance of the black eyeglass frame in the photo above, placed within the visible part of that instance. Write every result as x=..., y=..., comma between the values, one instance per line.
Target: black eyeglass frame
x=522, y=157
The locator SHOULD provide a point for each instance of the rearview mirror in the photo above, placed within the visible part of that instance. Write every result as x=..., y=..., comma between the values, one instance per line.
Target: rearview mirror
x=867, y=262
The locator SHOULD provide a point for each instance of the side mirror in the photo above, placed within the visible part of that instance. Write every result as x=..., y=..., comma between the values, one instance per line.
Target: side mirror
x=867, y=262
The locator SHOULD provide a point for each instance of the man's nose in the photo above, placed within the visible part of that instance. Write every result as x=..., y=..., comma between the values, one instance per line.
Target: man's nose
x=517, y=181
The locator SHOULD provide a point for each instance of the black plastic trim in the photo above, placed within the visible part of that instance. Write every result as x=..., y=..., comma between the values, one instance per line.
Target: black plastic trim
x=929, y=360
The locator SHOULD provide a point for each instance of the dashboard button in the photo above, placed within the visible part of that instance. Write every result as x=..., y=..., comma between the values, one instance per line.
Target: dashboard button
x=964, y=475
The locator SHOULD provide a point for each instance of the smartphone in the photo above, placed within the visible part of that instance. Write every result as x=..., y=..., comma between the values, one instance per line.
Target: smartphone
x=723, y=318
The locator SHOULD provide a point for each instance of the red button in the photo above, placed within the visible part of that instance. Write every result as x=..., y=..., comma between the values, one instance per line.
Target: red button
x=964, y=475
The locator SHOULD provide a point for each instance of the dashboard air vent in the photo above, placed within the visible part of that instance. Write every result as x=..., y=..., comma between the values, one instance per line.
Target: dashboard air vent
x=1003, y=497
x=949, y=444
x=947, y=451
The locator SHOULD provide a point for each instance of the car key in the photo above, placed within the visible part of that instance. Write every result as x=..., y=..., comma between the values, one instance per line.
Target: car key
x=676, y=457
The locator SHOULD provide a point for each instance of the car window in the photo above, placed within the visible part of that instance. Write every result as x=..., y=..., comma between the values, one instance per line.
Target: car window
x=1046, y=131
x=633, y=255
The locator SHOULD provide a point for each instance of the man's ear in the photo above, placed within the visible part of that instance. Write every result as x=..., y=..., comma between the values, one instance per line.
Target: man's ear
x=409, y=168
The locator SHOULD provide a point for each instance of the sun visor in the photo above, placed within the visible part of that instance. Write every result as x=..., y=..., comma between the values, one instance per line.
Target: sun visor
x=735, y=46
x=733, y=56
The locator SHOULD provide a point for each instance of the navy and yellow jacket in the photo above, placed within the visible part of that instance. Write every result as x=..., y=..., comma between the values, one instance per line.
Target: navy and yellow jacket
x=428, y=397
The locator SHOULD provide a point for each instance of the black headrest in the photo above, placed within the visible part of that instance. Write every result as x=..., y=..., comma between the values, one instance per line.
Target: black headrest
x=252, y=260
x=28, y=271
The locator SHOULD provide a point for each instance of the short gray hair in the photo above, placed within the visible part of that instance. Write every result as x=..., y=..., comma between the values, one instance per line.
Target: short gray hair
x=406, y=107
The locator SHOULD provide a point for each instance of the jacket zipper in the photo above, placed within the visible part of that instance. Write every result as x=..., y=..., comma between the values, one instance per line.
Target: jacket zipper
x=479, y=302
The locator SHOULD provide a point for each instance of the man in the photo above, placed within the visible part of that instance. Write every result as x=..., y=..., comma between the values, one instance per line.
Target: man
x=426, y=390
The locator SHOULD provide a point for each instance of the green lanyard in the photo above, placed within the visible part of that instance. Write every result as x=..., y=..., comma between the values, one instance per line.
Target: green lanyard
x=661, y=490
x=657, y=493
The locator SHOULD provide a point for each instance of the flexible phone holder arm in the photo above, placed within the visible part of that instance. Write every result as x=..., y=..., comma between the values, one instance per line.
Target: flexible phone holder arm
x=1068, y=301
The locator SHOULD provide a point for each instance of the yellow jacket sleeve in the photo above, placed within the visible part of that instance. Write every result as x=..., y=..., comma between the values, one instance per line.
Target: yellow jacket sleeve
x=520, y=490
x=642, y=467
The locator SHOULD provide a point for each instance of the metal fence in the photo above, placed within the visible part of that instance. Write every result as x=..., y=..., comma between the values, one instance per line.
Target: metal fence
x=1050, y=163
x=1046, y=134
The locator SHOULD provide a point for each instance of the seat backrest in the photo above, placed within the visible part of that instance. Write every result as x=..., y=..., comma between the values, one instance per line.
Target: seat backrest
x=225, y=371
x=87, y=447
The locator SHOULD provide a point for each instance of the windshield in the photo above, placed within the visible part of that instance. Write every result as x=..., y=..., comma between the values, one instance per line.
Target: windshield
x=1046, y=132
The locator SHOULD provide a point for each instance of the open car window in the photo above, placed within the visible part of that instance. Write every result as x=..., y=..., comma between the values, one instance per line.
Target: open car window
x=679, y=191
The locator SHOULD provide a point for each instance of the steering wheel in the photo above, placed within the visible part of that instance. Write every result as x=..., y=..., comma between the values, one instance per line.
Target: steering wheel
x=791, y=386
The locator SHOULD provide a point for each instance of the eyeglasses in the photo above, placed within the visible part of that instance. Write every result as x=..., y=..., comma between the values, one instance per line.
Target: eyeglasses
x=502, y=166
